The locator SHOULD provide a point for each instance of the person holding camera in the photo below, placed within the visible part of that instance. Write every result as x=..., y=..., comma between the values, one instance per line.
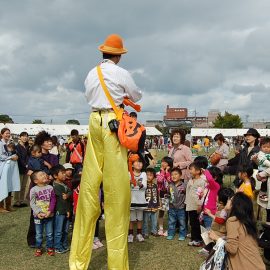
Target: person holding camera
x=105, y=161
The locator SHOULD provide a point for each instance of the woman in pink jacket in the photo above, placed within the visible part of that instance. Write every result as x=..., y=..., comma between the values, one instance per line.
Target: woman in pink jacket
x=180, y=153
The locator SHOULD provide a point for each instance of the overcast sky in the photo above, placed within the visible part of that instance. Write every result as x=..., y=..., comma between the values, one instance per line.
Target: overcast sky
x=203, y=54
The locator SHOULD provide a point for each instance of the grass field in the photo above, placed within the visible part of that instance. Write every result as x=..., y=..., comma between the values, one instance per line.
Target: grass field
x=154, y=253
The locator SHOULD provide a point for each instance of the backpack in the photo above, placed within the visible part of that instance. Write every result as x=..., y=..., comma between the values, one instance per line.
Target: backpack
x=75, y=156
x=129, y=130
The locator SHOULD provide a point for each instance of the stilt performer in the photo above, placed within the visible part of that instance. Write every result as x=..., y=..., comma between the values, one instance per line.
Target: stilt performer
x=105, y=161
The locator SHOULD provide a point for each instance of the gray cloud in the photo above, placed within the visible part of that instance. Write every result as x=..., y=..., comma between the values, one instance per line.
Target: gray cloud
x=196, y=54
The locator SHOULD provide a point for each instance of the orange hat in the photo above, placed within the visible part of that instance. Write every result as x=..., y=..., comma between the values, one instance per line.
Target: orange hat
x=113, y=45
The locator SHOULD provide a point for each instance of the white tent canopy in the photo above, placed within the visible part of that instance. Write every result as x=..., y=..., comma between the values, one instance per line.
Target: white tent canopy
x=64, y=130
x=152, y=131
x=227, y=132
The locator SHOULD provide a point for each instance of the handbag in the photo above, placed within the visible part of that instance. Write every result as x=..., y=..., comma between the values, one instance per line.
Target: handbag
x=129, y=130
x=215, y=158
x=217, y=259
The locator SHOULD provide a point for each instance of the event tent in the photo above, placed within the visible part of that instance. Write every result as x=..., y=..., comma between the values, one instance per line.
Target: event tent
x=58, y=130
x=227, y=132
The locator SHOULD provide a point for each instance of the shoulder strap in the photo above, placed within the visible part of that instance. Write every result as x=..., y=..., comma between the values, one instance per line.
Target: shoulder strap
x=117, y=111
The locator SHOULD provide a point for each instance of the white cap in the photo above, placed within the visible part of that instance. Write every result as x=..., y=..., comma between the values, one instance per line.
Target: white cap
x=68, y=166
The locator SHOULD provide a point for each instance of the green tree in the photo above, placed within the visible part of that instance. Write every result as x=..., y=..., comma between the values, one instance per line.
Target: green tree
x=37, y=121
x=4, y=118
x=228, y=121
x=73, y=122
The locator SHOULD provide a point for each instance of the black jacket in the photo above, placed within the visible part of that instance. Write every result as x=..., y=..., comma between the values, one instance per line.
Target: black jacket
x=23, y=156
x=245, y=158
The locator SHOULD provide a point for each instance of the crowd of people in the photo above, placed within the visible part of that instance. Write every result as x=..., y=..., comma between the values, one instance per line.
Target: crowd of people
x=191, y=192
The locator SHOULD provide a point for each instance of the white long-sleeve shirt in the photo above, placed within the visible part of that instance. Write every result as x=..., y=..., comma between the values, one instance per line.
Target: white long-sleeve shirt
x=118, y=81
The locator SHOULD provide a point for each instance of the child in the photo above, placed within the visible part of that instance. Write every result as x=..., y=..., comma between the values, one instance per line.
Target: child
x=42, y=202
x=241, y=243
x=194, y=194
x=62, y=209
x=152, y=198
x=248, y=182
x=163, y=180
x=69, y=183
x=177, y=195
x=69, y=175
x=213, y=183
x=219, y=219
x=10, y=149
x=35, y=162
x=264, y=164
x=138, y=202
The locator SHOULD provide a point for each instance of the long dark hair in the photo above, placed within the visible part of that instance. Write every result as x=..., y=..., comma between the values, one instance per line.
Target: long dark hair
x=242, y=209
x=217, y=174
x=248, y=169
x=168, y=160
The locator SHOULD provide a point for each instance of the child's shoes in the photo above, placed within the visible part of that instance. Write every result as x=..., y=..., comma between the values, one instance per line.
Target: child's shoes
x=130, y=238
x=98, y=243
x=50, y=252
x=38, y=252
x=140, y=237
x=94, y=246
x=60, y=250
x=195, y=243
x=170, y=237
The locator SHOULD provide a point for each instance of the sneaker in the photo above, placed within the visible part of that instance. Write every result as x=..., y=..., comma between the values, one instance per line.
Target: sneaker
x=170, y=237
x=203, y=252
x=98, y=243
x=160, y=232
x=139, y=237
x=189, y=235
x=130, y=238
x=50, y=252
x=94, y=246
x=155, y=234
x=60, y=250
x=145, y=236
x=190, y=243
x=181, y=238
x=38, y=252
x=165, y=233
x=197, y=244
x=66, y=249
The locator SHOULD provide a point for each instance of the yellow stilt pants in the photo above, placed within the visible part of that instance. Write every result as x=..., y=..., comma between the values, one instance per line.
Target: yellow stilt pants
x=105, y=160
